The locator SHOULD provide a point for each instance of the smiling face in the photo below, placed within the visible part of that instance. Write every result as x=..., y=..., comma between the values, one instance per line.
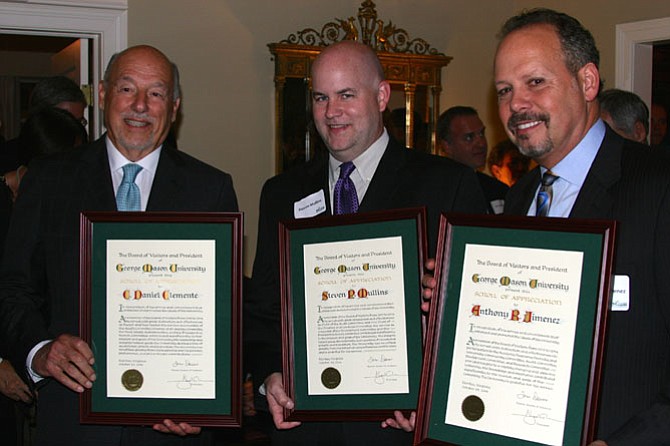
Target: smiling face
x=348, y=98
x=545, y=108
x=138, y=102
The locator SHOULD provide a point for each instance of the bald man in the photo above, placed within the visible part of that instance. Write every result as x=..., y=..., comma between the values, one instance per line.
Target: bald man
x=349, y=95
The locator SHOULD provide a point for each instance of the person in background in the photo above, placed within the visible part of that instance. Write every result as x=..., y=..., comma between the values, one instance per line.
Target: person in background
x=506, y=163
x=47, y=130
x=39, y=278
x=626, y=113
x=461, y=136
x=55, y=91
x=659, y=125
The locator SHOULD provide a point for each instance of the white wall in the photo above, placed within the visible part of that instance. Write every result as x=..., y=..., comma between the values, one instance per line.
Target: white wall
x=227, y=73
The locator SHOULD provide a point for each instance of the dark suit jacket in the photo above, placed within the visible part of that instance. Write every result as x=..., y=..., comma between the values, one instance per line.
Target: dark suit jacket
x=494, y=191
x=404, y=178
x=629, y=183
x=39, y=295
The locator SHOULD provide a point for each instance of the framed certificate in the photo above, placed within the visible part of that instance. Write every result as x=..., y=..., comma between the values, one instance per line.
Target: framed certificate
x=516, y=331
x=351, y=317
x=161, y=309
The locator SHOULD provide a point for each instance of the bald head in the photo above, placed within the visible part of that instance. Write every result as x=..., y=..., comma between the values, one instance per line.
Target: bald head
x=358, y=56
x=349, y=94
x=149, y=52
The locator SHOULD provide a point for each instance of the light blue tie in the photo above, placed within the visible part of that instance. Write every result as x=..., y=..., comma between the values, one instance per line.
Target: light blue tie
x=545, y=194
x=128, y=195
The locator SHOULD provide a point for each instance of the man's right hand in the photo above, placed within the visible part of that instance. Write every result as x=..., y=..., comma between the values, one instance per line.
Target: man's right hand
x=67, y=359
x=278, y=400
x=428, y=283
x=11, y=385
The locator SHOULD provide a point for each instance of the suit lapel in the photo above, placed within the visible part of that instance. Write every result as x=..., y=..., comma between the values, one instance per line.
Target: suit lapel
x=316, y=179
x=167, y=187
x=385, y=180
x=525, y=190
x=594, y=199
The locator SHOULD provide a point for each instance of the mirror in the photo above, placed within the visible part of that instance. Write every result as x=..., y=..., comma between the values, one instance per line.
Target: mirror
x=411, y=66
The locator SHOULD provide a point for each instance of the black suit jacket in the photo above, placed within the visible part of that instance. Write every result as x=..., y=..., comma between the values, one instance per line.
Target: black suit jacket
x=629, y=183
x=494, y=191
x=39, y=294
x=404, y=178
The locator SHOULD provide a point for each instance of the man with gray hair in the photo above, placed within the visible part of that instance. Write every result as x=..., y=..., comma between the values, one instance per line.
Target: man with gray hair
x=39, y=278
x=626, y=113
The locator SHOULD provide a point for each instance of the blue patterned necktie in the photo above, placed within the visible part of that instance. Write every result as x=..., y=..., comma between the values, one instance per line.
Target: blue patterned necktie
x=128, y=194
x=345, y=199
x=545, y=194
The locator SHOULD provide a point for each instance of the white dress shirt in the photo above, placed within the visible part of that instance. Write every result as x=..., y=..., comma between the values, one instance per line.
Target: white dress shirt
x=145, y=177
x=366, y=164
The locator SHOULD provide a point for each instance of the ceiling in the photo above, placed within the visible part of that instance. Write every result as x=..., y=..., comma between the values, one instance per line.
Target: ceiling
x=34, y=44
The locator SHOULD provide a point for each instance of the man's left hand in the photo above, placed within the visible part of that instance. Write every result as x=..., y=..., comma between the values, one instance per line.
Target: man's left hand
x=181, y=429
x=400, y=422
x=11, y=385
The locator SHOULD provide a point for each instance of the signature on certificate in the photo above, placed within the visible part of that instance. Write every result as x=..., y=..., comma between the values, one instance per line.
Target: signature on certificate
x=189, y=381
x=374, y=359
x=381, y=377
x=541, y=419
x=185, y=363
x=534, y=397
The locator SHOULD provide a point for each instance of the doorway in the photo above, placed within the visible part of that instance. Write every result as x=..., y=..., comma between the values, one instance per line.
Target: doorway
x=27, y=59
x=100, y=27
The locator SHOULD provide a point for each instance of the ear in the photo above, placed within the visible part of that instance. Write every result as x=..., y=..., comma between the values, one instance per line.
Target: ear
x=589, y=77
x=640, y=132
x=443, y=148
x=175, y=107
x=383, y=95
x=101, y=95
x=495, y=171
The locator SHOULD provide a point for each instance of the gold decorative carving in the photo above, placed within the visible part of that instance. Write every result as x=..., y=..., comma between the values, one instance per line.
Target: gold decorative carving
x=369, y=30
x=411, y=66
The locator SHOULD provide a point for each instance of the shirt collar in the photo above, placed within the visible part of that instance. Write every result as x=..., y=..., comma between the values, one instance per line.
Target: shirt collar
x=117, y=160
x=576, y=164
x=366, y=163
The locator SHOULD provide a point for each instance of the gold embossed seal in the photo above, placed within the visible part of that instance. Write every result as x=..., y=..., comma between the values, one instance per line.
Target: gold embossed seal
x=472, y=408
x=331, y=377
x=132, y=380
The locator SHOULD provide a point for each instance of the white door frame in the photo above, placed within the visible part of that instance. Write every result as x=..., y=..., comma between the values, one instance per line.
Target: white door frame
x=634, y=54
x=103, y=22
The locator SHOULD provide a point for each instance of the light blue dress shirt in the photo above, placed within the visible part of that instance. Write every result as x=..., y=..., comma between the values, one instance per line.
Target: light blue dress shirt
x=572, y=171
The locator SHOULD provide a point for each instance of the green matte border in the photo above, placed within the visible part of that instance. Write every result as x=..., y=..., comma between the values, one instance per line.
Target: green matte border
x=407, y=229
x=222, y=234
x=591, y=247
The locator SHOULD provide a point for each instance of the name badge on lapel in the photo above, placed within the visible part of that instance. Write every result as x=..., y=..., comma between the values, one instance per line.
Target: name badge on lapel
x=621, y=293
x=310, y=206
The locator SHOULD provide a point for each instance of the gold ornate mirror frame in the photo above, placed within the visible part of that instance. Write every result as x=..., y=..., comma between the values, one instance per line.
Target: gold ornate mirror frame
x=412, y=67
